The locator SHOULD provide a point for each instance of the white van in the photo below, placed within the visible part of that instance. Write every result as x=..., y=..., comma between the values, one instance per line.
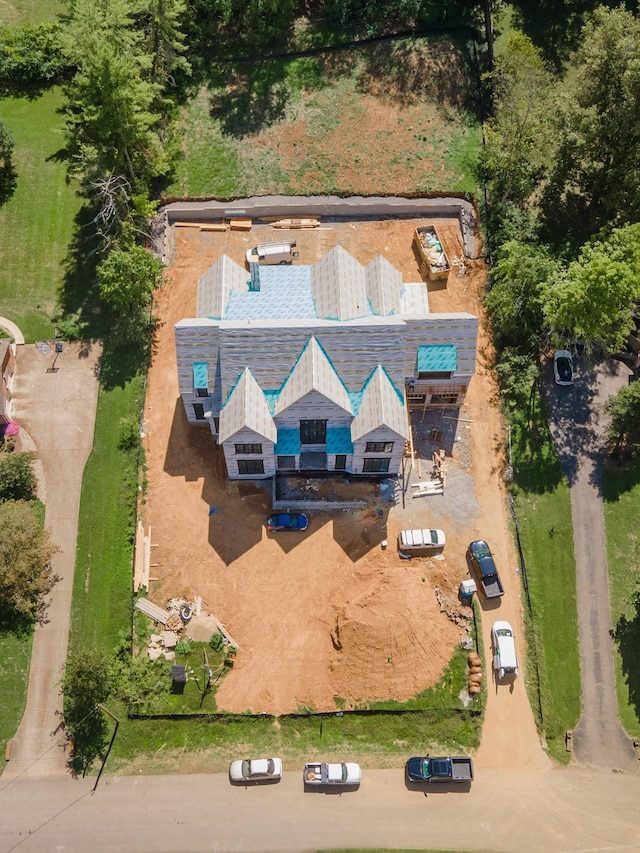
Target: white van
x=273, y=253
x=413, y=543
x=505, y=661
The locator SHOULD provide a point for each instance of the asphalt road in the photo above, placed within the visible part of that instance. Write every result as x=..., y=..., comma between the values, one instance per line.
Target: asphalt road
x=523, y=811
x=578, y=425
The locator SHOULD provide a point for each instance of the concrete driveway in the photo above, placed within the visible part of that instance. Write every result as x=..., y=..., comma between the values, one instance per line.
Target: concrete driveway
x=54, y=400
x=578, y=426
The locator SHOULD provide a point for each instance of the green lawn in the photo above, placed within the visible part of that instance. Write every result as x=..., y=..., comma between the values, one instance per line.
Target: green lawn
x=102, y=589
x=543, y=508
x=37, y=223
x=16, y=12
x=622, y=500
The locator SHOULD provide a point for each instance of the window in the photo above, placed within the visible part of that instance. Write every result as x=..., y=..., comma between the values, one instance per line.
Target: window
x=435, y=374
x=379, y=447
x=375, y=466
x=248, y=448
x=202, y=392
x=341, y=462
x=250, y=466
x=313, y=432
x=198, y=411
x=286, y=463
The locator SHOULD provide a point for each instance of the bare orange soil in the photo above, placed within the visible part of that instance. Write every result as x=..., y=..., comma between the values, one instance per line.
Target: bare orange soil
x=327, y=616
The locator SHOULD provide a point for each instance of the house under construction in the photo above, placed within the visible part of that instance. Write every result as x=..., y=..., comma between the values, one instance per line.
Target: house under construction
x=313, y=367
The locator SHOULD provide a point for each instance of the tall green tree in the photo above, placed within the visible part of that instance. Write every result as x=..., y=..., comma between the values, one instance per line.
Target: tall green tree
x=595, y=178
x=519, y=142
x=25, y=568
x=110, y=125
x=88, y=681
x=8, y=174
x=161, y=22
x=624, y=409
x=515, y=297
x=594, y=298
x=128, y=278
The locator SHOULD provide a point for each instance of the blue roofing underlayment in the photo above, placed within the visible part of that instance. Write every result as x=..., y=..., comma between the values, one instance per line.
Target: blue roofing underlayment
x=288, y=443
x=200, y=374
x=339, y=440
x=437, y=358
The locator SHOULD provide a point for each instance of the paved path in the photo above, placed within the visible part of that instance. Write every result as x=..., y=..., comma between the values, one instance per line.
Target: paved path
x=13, y=330
x=54, y=398
x=525, y=811
x=578, y=426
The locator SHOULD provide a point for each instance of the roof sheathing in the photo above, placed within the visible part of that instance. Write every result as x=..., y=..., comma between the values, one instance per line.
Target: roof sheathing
x=381, y=406
x=247, y=408
x=216, y=285
x=338, y=283
x=313, y=371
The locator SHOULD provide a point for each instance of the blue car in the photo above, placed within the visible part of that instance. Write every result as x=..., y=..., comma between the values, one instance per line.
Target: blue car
x=287, y=521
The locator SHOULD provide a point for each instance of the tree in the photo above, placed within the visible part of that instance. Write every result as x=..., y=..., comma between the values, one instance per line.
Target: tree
x=595, y=178
x=518, y=139
x=110, y=124
x=515, y=299
x=128, y=278
x=594, y=298
x=88, y=681
x=624, y=409
x=31, y=60
x=160, y=21
x=139, y=683
x=8, y=174
x=17, y=480
x=25, y=569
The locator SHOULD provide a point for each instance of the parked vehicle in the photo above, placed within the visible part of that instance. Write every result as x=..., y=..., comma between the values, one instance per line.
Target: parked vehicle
x=413, y=543
x=287, y=521
x=482, y=560
x=255, y=770
x=505, y=661
x=563, y=367
x=273, y=253
x=323, y=773
x=429, y=769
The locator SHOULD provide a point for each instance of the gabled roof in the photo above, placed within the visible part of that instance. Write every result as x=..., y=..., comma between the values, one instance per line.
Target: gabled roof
x=338, y=284
x=246, y=408
x=217, y=284
x=381, y=406
x=313, y=371
x=384, y=286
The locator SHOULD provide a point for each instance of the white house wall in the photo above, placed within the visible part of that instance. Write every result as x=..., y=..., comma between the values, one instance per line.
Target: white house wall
x=380, y=434
x=197, y=340
x=248, y=436
x=313, y=406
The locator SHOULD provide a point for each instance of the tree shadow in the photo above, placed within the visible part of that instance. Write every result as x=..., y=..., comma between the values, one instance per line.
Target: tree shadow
x=8, y=180
x=627, y=636
x=252, y=101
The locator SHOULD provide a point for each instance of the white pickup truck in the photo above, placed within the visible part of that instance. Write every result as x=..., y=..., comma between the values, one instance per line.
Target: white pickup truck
x=323, y=773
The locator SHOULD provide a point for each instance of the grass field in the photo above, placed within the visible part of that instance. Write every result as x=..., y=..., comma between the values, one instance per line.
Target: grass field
x=622, y=499
x=543, y=508
x=14, y=12
x=102, y=590
x=37, y=222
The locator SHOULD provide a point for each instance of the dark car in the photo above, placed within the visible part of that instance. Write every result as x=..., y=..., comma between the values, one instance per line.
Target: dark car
x=482, y=560
x=287, y=521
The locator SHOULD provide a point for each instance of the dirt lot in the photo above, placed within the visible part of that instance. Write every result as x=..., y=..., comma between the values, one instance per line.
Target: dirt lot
x=328, y=613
